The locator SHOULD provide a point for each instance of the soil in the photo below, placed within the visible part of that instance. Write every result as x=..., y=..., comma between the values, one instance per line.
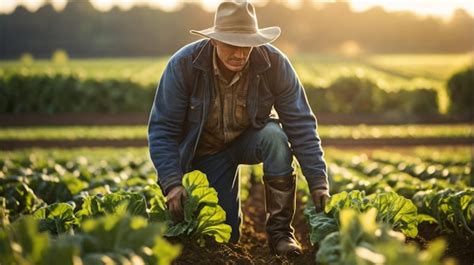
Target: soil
x=253, y=247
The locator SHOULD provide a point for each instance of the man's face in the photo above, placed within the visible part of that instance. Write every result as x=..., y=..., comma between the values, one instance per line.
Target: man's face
x=234, y=58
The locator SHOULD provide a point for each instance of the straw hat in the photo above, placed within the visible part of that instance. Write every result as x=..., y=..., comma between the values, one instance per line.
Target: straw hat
x=235, y=23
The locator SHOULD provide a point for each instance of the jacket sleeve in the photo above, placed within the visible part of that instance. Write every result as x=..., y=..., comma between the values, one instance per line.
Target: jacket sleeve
x=299, y=124
x=165, y=126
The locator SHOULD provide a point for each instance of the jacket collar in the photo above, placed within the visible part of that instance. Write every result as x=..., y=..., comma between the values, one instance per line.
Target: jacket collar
x=258, y=61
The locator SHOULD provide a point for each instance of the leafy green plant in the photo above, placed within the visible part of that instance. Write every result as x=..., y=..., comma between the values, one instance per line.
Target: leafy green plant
x=459, y=87
x=362, y=240
x=57, y=218
x=392, y=209
x=110, y=239
x=452, y=210
x=122, y=238
x=203, y=216
x=98, y=205
x=19, y=197
x=23, y=243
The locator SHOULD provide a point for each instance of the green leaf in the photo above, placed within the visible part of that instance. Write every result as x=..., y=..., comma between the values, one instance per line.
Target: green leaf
x=110, y=203
x=320, y=223
x=203, y=216
x=211, y=222
x=329, y=251
x=120, y=237
x=396, y=210
x=56, y=218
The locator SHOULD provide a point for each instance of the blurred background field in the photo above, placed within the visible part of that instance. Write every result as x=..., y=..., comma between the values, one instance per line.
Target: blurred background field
x=395, y=61
x=390, y=73
x=325, y=132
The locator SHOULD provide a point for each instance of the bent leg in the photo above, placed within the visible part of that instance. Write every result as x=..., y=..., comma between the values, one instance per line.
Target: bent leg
x=268, y=145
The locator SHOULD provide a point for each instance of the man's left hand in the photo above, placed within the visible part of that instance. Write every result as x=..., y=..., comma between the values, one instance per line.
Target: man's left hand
x=320, y=197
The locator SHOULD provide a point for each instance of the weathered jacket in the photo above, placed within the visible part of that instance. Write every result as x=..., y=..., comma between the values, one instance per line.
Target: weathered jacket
x=182, y=103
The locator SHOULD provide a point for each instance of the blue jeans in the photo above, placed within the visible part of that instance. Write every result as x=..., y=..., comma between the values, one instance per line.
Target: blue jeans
x=268, y=145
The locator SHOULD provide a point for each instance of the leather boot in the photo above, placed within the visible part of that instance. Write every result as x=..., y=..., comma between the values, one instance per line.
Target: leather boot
x=280, y=202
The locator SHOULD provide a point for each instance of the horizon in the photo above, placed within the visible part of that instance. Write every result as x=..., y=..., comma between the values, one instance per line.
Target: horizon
x=439, y=9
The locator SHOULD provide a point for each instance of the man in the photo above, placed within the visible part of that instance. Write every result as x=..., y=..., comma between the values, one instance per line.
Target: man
x=213, y=110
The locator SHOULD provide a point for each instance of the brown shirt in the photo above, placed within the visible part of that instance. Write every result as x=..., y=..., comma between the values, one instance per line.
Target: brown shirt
x=228, y=116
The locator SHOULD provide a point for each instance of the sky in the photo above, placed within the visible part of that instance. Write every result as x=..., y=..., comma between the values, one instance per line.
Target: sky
x=440, y=8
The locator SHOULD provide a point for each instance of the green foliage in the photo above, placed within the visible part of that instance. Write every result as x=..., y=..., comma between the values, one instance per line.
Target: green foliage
x=117, y=239
x=362, y=240
x=203, y=216
x=22, y=243
x=321, y=225
x=350, y=94
x=461, y=91
x=462, y=130
x=123, y=238
x=19, y=197
x=68, y=93
x=354, y=95
x=26, y=58
x=60, y=57
x=98, y=205
x=392, y=209
x=452, y=210
x=56, y=218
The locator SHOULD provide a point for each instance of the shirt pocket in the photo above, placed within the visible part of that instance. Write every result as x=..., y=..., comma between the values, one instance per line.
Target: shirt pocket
x=240, y=114
x=195, y=110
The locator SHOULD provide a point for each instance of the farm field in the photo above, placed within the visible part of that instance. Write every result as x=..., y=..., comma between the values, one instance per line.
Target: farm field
x=390, y=71
x=425, y=194
x=325, y=132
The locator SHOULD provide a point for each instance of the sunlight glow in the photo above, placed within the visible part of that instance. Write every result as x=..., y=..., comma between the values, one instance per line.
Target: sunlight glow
x=210, y=5
x=166, y=5
x=59, y=4
x=103, y=5
x=439, y=8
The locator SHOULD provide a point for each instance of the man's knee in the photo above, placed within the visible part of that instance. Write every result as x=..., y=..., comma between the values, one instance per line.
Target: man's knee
x=272, y=133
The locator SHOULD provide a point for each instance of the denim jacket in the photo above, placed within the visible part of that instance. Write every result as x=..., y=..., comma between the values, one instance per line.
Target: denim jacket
x=182, y=103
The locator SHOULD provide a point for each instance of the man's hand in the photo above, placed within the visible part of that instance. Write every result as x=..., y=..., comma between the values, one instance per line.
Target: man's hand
x=175, y=201
x=320, y=197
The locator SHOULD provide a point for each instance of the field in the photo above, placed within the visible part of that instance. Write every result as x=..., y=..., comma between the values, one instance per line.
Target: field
x=325, y=132
x=389, y=72
x=431, y=188
x=389, y=205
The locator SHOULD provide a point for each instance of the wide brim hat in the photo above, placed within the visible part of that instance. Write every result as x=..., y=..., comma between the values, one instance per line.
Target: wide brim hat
x=235, y=23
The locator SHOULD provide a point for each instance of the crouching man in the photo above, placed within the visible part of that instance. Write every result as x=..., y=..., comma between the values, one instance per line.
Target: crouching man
x=230, y=99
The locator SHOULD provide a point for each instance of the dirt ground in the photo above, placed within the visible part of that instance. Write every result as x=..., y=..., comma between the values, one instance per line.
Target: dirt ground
x=253, y=247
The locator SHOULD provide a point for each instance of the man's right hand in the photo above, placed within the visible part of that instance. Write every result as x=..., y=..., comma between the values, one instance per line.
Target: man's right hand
x=175, y=201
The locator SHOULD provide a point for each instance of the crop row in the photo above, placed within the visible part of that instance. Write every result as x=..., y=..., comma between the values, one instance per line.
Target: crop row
x=70, y=93
x=325, y=132
x=81, y=203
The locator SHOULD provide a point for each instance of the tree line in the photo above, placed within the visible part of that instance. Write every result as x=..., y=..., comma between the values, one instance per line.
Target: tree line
x=84, y=31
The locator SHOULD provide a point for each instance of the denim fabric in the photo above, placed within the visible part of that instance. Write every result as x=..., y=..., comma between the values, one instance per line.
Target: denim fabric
x=268, y=145
x=183, y=99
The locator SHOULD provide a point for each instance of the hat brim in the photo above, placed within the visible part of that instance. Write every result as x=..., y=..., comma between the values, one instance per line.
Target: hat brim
x=262, y=36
